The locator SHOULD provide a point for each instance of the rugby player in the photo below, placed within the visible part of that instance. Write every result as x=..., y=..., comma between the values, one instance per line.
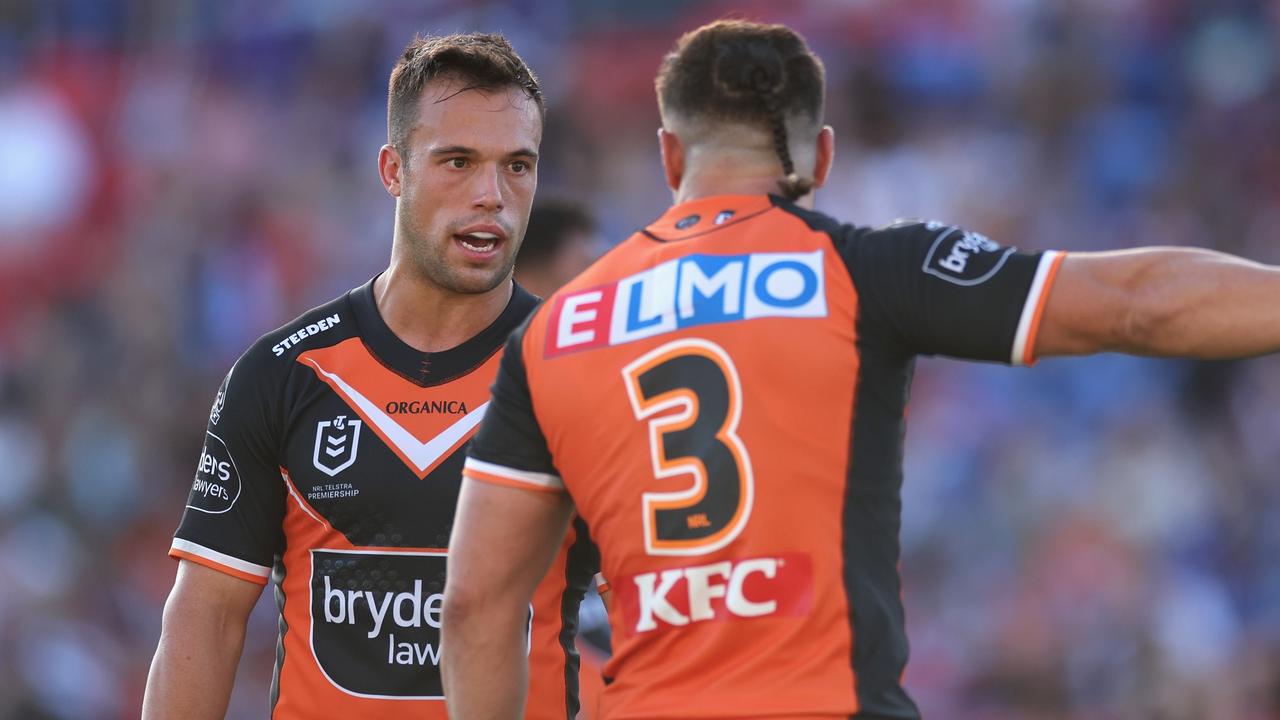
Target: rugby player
x=747, y=362
x=332, y=461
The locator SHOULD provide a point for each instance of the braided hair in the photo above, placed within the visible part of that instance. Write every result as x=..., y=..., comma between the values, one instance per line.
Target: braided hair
x=738, y=71
x=792, y=185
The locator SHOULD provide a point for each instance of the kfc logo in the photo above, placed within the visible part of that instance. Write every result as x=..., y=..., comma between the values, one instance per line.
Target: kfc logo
x=725, y=591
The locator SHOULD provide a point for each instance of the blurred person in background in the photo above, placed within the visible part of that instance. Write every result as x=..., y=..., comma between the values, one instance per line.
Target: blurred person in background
x=559, y=244
x=333, y=452
x=758, y=356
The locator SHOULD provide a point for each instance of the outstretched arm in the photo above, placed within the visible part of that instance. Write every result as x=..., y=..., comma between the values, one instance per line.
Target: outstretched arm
x=1169, y=302
x=503, y=542
x=201, y=638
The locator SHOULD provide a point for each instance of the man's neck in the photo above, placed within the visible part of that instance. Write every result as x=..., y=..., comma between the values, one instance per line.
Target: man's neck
x=731, y=178
x=429, y=318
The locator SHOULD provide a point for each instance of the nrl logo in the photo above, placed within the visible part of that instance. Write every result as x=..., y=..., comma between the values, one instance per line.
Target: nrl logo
x=337, y=441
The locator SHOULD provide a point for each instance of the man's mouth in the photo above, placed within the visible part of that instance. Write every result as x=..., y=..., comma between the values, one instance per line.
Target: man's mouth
x=481, y=240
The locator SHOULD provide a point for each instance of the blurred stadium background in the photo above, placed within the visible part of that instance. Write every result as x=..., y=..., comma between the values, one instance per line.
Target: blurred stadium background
x=1089, y=539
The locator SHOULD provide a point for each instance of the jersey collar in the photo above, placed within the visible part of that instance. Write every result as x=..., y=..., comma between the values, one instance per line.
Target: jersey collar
x=434, y=368
x=706, y=214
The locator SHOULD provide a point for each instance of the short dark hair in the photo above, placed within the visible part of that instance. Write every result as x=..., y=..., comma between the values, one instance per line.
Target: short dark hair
x=483, y=61
x=551, y=222
x=745, y=72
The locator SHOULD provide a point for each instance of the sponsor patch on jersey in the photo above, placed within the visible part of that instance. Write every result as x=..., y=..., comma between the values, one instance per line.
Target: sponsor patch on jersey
x=726, y=591
x=305, y=331
x=687, y=222
x=964, y=258
x=337, y=443
x=426, y=407
x=217, y=483
x=375, y=621
x=687, y=292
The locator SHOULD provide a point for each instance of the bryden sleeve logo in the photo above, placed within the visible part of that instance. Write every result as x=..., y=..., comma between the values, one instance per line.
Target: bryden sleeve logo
x=217, y=483
x=964, y=258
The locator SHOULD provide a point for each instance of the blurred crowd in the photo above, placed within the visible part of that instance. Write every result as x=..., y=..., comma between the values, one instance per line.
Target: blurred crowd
x=1087, y=539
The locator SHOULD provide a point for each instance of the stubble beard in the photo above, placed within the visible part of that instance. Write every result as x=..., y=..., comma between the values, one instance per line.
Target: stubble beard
x=429, y=257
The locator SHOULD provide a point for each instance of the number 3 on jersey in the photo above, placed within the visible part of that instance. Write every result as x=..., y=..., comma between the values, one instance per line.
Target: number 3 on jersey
x=698, y=380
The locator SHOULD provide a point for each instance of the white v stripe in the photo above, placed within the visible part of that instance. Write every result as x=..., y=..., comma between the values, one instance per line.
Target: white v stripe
x=422, y=455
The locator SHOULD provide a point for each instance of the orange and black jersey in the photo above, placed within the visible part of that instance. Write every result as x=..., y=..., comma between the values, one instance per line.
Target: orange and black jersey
x=331, y=467
x=740, y=459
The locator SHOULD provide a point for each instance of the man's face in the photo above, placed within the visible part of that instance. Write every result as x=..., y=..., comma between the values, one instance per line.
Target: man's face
x=467, y=184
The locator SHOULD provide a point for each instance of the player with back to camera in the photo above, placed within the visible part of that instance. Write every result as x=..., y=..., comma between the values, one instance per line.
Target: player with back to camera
x=334, y=450
x=722, y=398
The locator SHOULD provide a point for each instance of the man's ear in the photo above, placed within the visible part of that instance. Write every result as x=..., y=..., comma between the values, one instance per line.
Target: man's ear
x=389, y=166
x=672, y=157
x=825, y=155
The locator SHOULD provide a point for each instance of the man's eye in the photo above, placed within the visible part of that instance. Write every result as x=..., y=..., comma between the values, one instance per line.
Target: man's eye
x=519, y=166
x=458, y=163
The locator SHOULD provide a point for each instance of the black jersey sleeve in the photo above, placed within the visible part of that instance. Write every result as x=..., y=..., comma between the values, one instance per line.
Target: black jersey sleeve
x=936, y=289
x=234, y=513
x=510, y=449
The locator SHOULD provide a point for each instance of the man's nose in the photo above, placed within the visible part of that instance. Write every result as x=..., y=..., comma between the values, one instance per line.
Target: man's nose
x=488, y=189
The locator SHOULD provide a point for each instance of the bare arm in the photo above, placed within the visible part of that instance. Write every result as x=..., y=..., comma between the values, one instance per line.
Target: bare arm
x=1169, y=302
x=200, y=642
x=503, y=542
